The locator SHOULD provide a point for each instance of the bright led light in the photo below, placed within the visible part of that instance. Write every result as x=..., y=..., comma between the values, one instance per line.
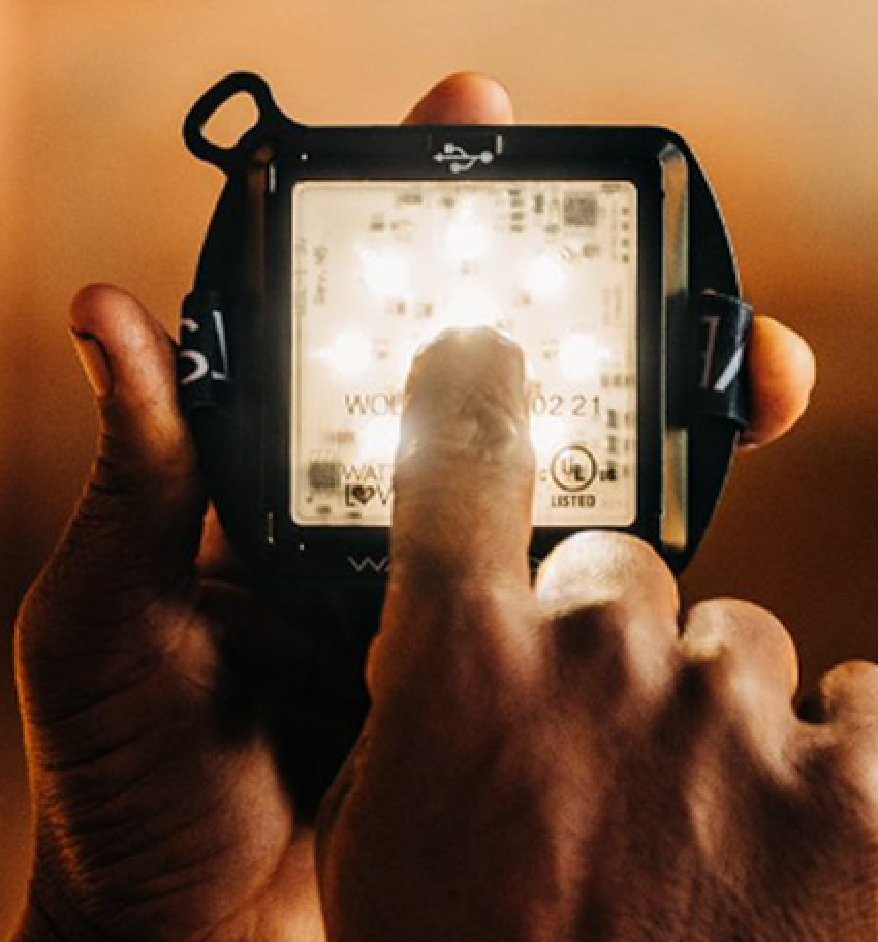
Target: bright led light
x=545, y=275
x=581, y=356
x=380, y=437
x=381, y=270
x=351, y=352
x=546, y=433
x=466, y=237
x=471, y=305
x=385, y=272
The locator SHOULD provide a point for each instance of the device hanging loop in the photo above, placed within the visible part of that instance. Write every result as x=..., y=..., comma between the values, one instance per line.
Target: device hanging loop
x=269, y=119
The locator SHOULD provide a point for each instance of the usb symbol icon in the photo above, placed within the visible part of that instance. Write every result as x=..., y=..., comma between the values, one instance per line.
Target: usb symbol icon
x=459, y=160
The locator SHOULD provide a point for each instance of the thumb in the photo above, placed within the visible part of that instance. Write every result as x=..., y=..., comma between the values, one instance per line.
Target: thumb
x=133, y=538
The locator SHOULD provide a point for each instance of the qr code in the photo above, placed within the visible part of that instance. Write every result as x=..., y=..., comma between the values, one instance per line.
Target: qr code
x=324, y=475
x=580, y=209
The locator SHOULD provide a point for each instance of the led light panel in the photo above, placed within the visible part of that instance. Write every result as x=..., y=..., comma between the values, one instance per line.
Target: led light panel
x=381, y=268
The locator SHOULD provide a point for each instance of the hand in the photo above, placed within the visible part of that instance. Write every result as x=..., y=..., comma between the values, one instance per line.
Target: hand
x=166, y=738
x=569, y=763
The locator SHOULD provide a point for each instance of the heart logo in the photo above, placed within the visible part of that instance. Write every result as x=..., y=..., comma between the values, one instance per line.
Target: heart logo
x=363, y=492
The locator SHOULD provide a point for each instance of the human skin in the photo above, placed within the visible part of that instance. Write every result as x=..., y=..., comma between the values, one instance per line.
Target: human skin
x=574, y=762
x=163, y=799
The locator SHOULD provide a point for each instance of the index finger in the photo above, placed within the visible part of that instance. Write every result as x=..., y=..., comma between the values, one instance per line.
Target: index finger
x=440, y=500
x=458, y=602
x=465, y=466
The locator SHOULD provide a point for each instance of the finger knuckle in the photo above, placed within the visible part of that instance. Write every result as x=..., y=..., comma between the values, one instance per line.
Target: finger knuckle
x=740, y=648
x=846, y=697
x=599, y=567
x=855, y=679
x=840, y=719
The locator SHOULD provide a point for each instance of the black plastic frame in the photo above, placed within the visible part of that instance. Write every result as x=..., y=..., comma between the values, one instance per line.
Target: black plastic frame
x=244, y=443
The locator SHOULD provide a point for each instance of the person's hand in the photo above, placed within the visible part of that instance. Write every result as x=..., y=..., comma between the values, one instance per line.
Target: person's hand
x=166, y=730
x=569, y=762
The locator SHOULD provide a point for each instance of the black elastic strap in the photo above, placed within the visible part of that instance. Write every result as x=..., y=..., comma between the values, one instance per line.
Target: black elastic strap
x=725, y=324
x=204, y=352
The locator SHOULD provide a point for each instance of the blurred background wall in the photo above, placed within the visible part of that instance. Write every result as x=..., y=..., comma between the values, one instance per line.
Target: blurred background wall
x=779, y=99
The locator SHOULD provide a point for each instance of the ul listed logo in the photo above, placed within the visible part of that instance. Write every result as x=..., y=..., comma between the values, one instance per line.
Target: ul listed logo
x=574, y=468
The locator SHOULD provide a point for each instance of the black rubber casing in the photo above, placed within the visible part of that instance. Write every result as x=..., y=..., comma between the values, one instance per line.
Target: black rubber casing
x=692, y=326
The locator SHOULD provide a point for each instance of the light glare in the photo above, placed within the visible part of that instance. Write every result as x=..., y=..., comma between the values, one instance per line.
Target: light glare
x=385, y=273
x=544, y=277
x=581, y=356
x=471, y=305
x=546, y=434
x=466, y=238
x=381, y=437
x=351, y=352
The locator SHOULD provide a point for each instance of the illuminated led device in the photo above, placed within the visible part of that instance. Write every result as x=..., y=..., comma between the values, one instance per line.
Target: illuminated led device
x=335, y=253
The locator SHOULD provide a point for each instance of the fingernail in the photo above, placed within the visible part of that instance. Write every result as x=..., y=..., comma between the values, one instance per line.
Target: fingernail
x=94, y=362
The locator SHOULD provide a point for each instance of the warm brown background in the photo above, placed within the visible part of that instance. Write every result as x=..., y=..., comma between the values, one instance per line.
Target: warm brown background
x=780, y=99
